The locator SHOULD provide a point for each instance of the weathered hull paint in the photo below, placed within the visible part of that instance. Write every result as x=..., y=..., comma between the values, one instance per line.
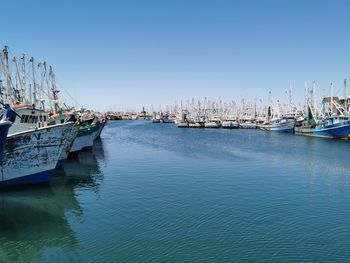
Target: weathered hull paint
x=70, y=140
x=85, y=138
x=31, y=156
x=4, y=129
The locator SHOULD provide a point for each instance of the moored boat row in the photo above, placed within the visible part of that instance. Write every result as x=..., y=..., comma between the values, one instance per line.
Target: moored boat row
x=39, y=133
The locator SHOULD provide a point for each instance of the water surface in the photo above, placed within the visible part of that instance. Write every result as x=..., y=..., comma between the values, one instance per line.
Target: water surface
x=154, y=193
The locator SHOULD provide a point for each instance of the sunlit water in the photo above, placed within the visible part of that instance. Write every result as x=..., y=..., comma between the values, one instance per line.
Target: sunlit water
x=154, y=193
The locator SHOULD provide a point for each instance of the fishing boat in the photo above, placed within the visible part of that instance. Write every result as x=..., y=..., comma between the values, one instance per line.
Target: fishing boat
x=248, y=125
x=166, y=119
x=212, y=124
x=85, y=138
x=331, y=127
x=182, y=122
x=156, y=118
x=31, y=156
x=280, y=125
x=276, y=121
x=230, y=124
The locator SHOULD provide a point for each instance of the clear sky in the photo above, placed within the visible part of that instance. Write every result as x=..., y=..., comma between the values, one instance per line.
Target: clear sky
x=125, y=54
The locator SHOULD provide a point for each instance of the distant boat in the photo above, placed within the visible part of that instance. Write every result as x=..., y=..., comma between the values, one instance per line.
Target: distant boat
x=280, y=125
x=182, y=122
x=248, y=125
x=166, y=119
x=212, y=124
x=196, y=124
x=182, y=125
x=230, y=124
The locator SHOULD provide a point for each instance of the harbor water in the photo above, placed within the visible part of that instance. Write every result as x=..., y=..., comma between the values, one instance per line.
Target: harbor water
x=155, y=193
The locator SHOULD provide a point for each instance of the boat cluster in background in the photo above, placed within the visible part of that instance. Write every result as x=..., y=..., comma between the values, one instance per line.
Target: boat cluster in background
x=38, y=132
x=330, y=118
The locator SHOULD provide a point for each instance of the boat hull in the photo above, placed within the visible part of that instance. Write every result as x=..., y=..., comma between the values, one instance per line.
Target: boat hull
x=338, y=131
x=101, y=128
x=31, y=156
x=248, y=126
x=230, y=125
x=85, y=138
x=69, y=143
x=182, y=125
x=4, y=129
x=279, y=127
x=211, y=125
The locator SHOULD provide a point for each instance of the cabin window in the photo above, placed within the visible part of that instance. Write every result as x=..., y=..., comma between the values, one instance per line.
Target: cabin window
x=40, y=118
x=26, y=118
x=44, y=118
x=22, y=119
x=35, y=119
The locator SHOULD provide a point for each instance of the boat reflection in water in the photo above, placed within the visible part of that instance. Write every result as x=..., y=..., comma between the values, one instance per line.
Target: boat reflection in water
x=36, y=223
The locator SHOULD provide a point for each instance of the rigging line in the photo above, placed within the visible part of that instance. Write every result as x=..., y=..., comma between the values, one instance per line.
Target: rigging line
x=61, y=86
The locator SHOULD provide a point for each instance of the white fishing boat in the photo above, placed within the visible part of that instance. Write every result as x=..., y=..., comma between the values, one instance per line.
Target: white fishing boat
x=182, y=122
x=212, y=124
x=280, y=125
x=248, y=125
x=230, y=124
x=31, y=156
x=85, y=139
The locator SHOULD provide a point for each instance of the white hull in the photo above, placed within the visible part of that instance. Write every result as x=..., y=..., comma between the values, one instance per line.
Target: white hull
x=69, y=143
x=31, y=156
x=230, y=125
x=212, y=125
x=82, y=142
x=248, y=125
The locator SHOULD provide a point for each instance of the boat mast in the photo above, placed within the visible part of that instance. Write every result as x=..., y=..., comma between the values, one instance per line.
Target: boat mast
x=331, y=98
x=314, y=98
x=5, y=65
x=345, y=96
x=33, y=101
x=306, y=97
x=23, y=84
x=54, y=90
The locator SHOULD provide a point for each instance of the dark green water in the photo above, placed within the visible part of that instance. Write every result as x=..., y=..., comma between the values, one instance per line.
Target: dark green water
x=155, y=193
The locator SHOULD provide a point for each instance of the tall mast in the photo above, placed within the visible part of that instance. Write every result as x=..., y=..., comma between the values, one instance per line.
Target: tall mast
x=5, y=65
x=54, y=89
x=23, y=71
x=18, y=91
x=345, y=89
x=314, y=97
x=34, y=82
x=331, y=98
x=306, y=98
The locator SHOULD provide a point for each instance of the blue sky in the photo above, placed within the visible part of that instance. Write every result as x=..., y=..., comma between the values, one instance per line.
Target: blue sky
x=126, y=54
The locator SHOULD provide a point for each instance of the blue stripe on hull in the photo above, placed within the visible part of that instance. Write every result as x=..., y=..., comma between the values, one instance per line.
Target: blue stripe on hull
x=333, y=132
x=38, y=178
